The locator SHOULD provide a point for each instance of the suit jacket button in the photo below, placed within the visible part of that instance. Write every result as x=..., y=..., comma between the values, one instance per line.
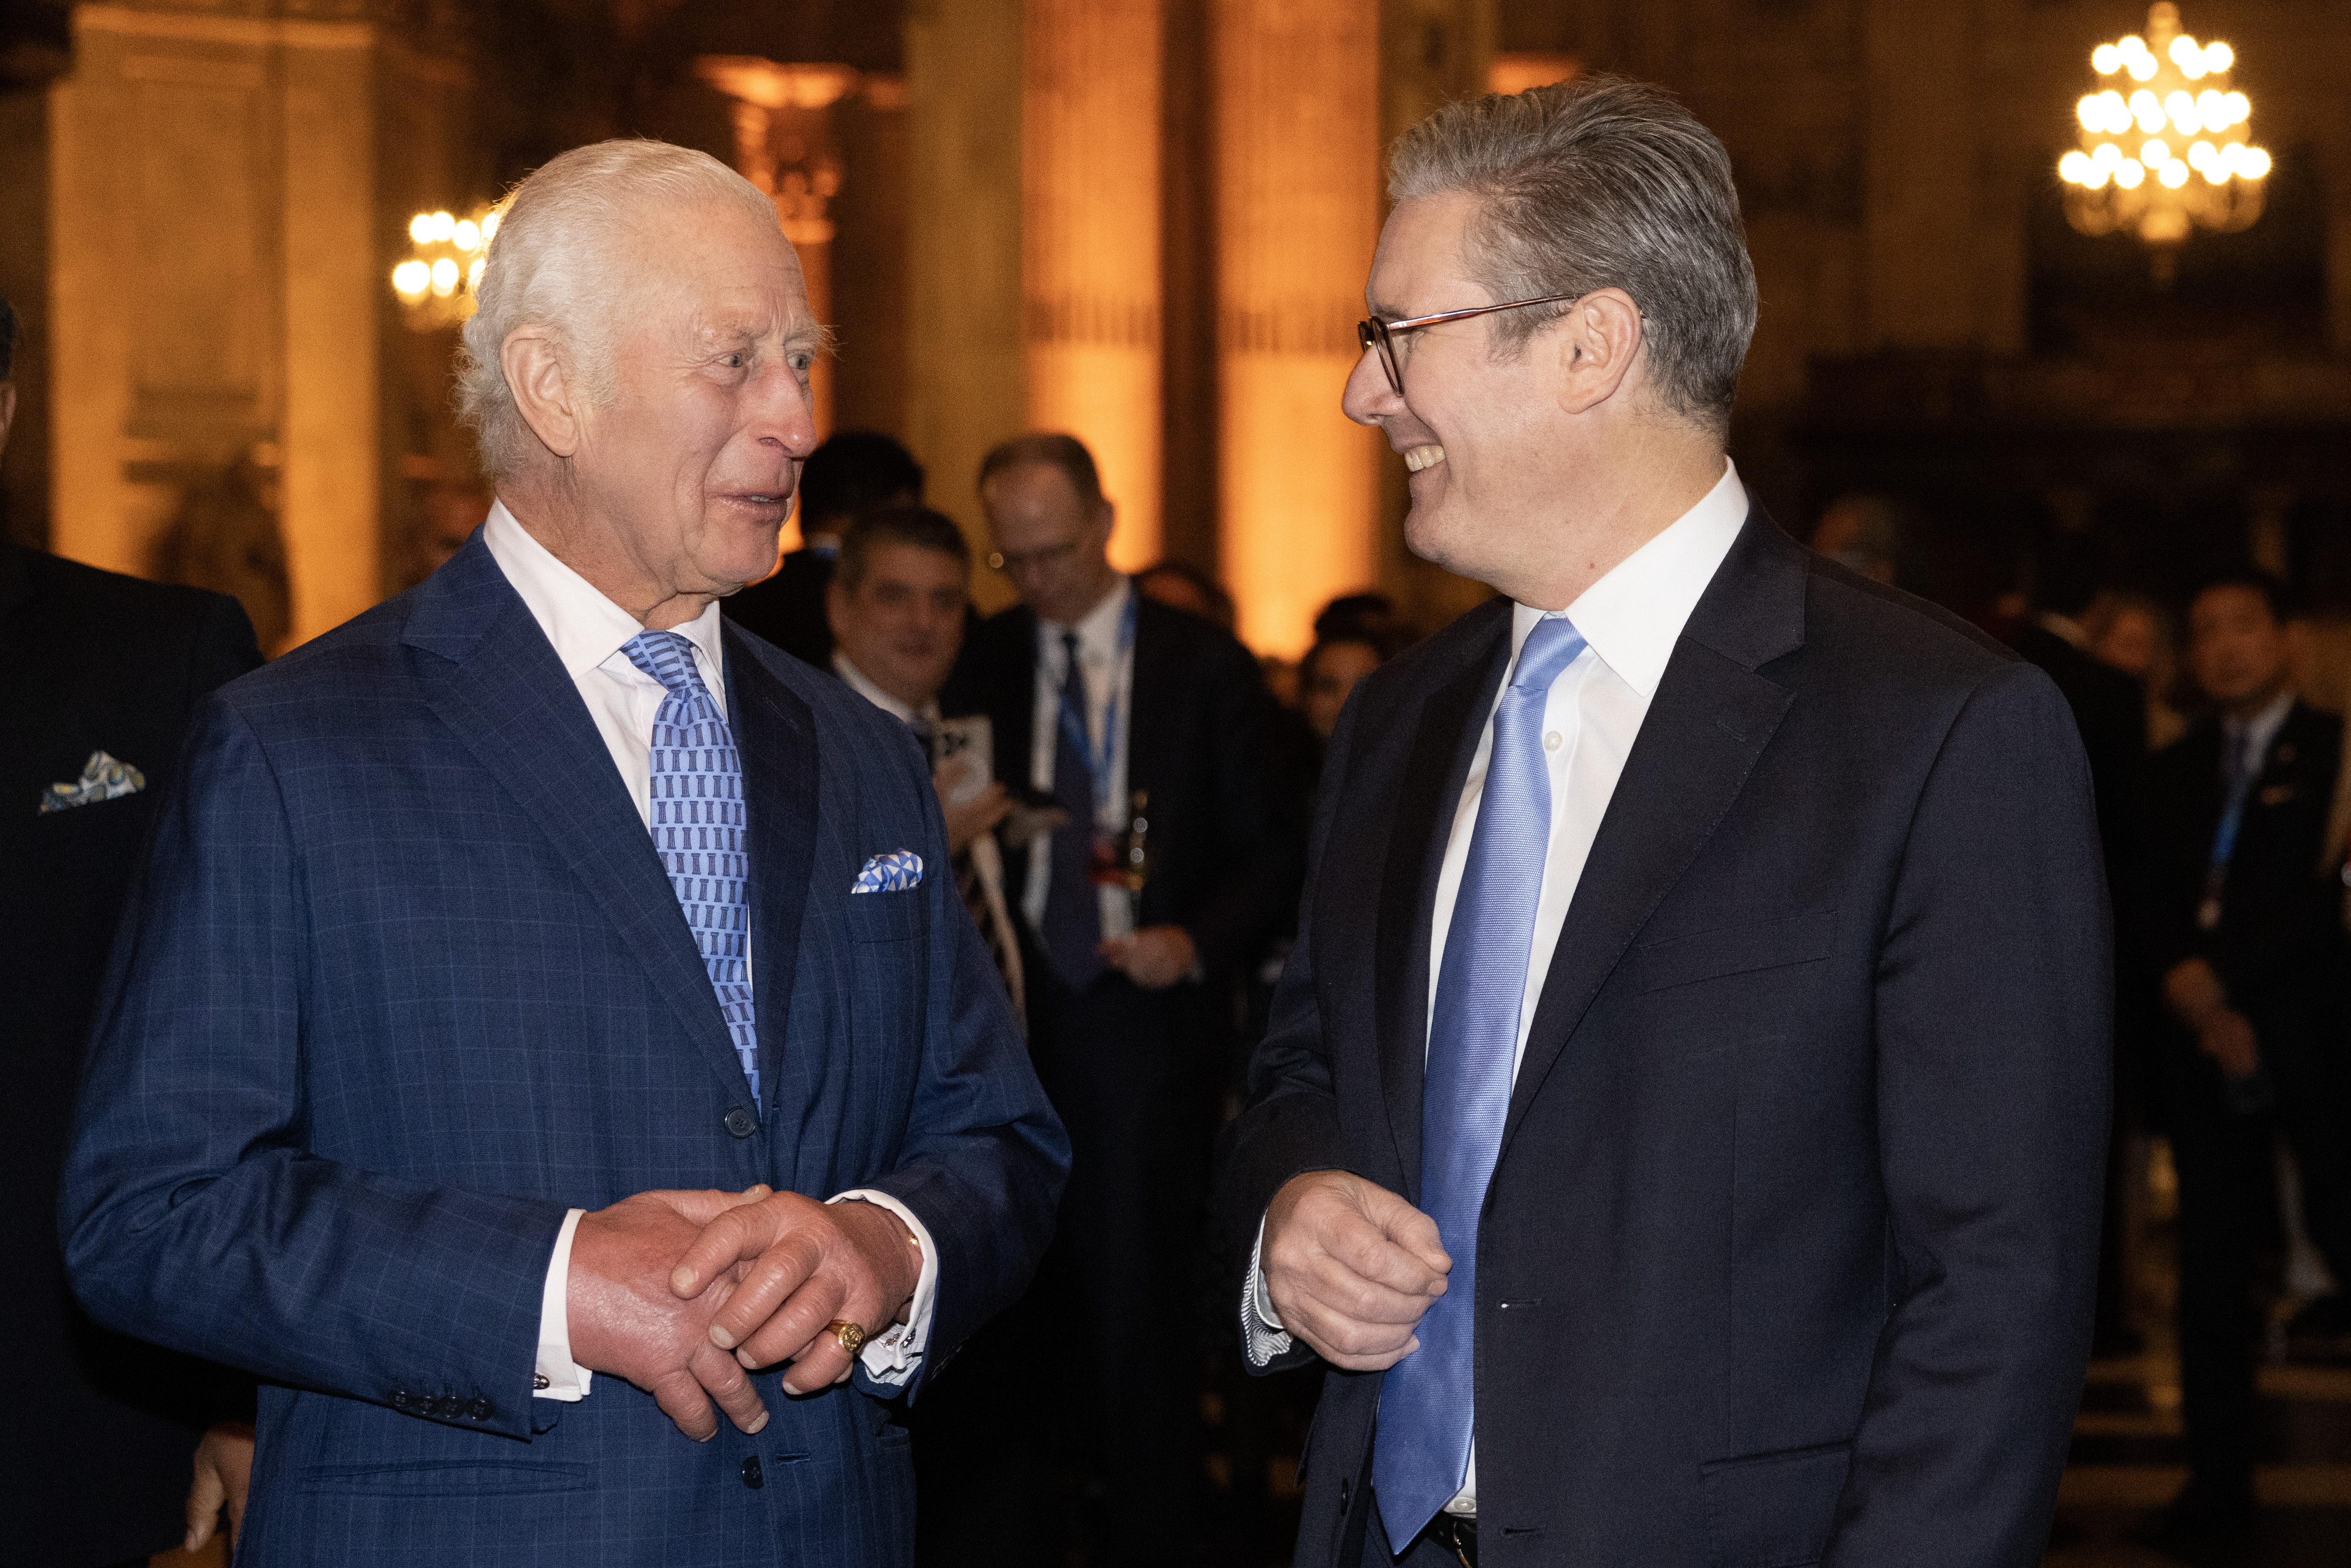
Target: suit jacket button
x=741, y=1123
x=479, y=1409
x=752, y=1477
x=400, y=1399
x=1345, y=1489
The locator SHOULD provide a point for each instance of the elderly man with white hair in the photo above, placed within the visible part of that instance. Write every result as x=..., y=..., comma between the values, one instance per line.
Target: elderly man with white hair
x=538, y=976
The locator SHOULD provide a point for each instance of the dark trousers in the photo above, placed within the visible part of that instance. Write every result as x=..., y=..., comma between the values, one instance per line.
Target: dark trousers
x=2227, y=1206
x=1096, y=1374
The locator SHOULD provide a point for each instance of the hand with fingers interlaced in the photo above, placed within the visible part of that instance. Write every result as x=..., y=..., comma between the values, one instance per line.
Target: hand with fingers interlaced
x=799, y=1268
x=627, y=1321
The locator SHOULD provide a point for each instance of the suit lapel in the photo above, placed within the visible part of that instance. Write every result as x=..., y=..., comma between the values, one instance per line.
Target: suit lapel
x=1151, y=692
x=1444, y=742
x=1710, y=719
x=505, y=695
x=775, y=736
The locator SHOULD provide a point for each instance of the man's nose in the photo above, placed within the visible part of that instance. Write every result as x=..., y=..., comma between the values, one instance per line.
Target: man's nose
x=783, y=413
x=1367, y=394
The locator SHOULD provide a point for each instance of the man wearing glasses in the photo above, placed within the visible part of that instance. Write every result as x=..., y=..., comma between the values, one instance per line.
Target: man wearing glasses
x=1142, y=725
x=1680, y=1122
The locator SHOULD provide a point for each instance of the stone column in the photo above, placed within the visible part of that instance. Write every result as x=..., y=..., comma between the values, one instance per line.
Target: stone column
x=967, y=384
x=1298, y=182
x=1091, y=253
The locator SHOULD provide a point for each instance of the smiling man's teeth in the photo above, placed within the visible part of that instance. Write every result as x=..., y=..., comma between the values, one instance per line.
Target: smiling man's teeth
x=1421, y=458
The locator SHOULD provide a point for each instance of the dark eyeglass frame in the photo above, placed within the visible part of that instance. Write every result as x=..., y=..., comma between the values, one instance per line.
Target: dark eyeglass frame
x=1375, y=333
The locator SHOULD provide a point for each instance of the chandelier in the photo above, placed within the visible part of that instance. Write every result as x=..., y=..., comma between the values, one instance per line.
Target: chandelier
x=2165, y=146
x=436, y=283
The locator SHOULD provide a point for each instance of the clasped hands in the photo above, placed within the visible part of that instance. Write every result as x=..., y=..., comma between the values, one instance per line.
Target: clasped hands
x=685, y=1293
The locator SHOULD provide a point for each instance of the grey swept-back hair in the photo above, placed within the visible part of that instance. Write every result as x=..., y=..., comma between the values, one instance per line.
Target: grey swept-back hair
x=560, y=259
x=1600, y=183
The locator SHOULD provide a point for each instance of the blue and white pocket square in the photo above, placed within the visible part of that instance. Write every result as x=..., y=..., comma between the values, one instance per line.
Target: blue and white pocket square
x=893, y=872
x=104, y=779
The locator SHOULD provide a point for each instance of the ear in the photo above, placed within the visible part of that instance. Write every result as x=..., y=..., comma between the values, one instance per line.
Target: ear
x=1105, y=519
x=1597, y=345
x=533, y=363
x=8, y=409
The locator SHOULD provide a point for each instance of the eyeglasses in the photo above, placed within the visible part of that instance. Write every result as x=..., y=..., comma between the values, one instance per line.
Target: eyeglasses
x=1375, y=333
x=1013, y=561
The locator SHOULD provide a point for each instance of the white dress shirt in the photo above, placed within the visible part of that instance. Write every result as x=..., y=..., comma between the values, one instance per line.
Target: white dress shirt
x=857, y=681
x=588, y=631
x=2259, y=730
x=1630, y=621
x=1106, y=667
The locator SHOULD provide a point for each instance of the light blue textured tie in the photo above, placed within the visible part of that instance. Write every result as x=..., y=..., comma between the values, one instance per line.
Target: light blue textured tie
x=699, y=828
x=1421, y=1453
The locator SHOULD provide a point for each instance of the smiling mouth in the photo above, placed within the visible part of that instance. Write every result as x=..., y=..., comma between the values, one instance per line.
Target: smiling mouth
x=1424, y=457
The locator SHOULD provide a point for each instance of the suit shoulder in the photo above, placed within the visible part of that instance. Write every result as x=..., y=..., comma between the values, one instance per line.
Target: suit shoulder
x=354, y=658
x=1897, y=634
x=1193, y=640
x=127, y=606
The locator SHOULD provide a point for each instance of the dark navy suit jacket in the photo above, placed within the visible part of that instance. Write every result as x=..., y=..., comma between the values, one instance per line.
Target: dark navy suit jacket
x=403, y=981
x=1788, y=1255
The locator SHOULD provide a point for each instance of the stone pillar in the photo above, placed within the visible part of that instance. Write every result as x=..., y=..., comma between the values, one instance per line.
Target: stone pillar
x=1091, y=251
x=1298, y=182
x=216, y=287
x=967, y=384
x=331, y=490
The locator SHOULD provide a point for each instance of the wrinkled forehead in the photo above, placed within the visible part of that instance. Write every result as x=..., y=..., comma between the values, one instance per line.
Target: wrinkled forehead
x=713, y=274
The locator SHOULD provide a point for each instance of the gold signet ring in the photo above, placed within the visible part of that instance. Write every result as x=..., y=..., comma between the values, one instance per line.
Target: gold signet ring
x=850, y=1336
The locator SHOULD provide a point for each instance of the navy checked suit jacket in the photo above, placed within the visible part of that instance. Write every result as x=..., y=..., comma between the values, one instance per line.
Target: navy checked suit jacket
x=403, y=980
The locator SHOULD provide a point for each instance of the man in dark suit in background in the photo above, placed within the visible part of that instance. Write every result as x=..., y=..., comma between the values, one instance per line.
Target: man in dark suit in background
x=105, y=672
x=1688, y=1086
x=853, y=471
x=2110, y=710
x=536, y=976
x=1144, y=726
x=2241, y=922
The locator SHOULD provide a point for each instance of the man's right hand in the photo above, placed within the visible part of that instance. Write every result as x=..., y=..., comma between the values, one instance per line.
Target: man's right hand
x=626, y=1320
x=1350, y=1268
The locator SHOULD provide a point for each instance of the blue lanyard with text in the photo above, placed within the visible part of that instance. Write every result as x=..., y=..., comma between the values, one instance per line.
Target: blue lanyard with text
x=1073, y=725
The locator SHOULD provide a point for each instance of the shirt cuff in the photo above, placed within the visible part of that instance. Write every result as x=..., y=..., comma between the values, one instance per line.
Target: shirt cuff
x=892, y=1356
x=557, y=1376
x=1262, y=1336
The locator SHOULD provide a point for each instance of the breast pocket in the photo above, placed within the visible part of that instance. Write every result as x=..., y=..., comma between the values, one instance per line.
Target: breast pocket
x=1737, y=950
x=895, y=916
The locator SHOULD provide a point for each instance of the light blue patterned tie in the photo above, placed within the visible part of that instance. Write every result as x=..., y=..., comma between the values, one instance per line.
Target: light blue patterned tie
x=1421, y=1453
x=698, y=827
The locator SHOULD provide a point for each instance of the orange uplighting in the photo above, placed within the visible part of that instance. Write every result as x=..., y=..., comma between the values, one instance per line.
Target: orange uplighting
x=1516, y=73
x=1090, y=251
x=1298, y=213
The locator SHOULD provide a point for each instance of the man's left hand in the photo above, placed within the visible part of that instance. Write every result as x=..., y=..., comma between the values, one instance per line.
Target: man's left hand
x=1155, y=958
x=224, y=1474
x=808, y=1264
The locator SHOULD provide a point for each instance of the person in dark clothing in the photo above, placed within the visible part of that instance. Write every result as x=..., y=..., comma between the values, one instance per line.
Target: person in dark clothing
x=2110, y=709
x=2240, y=923
x=109, y=671
x=853, y=471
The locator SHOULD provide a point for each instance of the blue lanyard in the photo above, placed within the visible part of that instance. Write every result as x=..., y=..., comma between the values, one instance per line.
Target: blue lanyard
x=2224, y=838
x=1073, y=724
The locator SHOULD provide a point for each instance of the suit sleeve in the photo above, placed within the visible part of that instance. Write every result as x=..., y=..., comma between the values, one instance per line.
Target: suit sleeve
x=984, y=1157
x=1291, y=1125
x=1994, y=1002
x=190, y=1213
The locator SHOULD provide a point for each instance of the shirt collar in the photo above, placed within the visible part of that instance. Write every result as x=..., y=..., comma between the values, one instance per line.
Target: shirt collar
x=1633, y=617
x=2259, y=730
x=863, y=685
x=586, y=628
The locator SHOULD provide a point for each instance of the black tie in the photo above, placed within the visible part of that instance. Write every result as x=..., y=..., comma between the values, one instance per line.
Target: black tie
x=1072, y=909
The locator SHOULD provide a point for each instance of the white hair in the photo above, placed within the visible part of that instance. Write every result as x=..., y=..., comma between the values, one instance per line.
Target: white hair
x=559, y=260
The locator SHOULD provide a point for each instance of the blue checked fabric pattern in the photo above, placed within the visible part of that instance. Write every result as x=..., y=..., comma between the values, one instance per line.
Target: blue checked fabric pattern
x=1421, y=1455
x=699, y=828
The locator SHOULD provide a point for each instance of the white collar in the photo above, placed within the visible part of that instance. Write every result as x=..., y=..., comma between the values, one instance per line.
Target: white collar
x=586, y=628
x=2260, y=728
x=863, y=685
x=1633, y=617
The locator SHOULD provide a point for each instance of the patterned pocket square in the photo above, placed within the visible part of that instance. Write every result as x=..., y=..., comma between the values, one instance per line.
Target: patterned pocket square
x=893, y=872
x=102, y=779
